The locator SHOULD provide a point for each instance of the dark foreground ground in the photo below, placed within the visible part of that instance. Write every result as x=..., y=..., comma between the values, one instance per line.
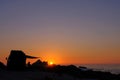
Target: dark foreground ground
x=36, y=75
x=57, y=72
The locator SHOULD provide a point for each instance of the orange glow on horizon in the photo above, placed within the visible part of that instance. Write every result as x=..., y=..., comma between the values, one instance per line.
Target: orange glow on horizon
x=55, y=56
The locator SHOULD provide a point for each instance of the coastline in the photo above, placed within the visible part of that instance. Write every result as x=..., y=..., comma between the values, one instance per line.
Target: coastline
x=113, y=68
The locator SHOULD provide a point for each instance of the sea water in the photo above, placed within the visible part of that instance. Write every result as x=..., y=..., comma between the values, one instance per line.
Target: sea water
x=113, y=68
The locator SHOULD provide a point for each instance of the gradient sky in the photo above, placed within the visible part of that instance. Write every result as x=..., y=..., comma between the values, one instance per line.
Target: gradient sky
x=62, y=31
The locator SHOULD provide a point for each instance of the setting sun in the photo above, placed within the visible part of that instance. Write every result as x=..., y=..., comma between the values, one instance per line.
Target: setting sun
x=50, y=63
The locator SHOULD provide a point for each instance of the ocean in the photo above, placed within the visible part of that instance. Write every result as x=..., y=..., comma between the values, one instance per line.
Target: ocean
x=113, y=68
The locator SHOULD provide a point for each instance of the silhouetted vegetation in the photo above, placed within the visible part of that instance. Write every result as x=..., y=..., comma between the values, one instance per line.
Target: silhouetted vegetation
x=17, y=60
x=2, y=66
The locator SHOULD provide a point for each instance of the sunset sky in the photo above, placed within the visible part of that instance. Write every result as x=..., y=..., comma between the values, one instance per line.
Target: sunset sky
x=62, y=31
